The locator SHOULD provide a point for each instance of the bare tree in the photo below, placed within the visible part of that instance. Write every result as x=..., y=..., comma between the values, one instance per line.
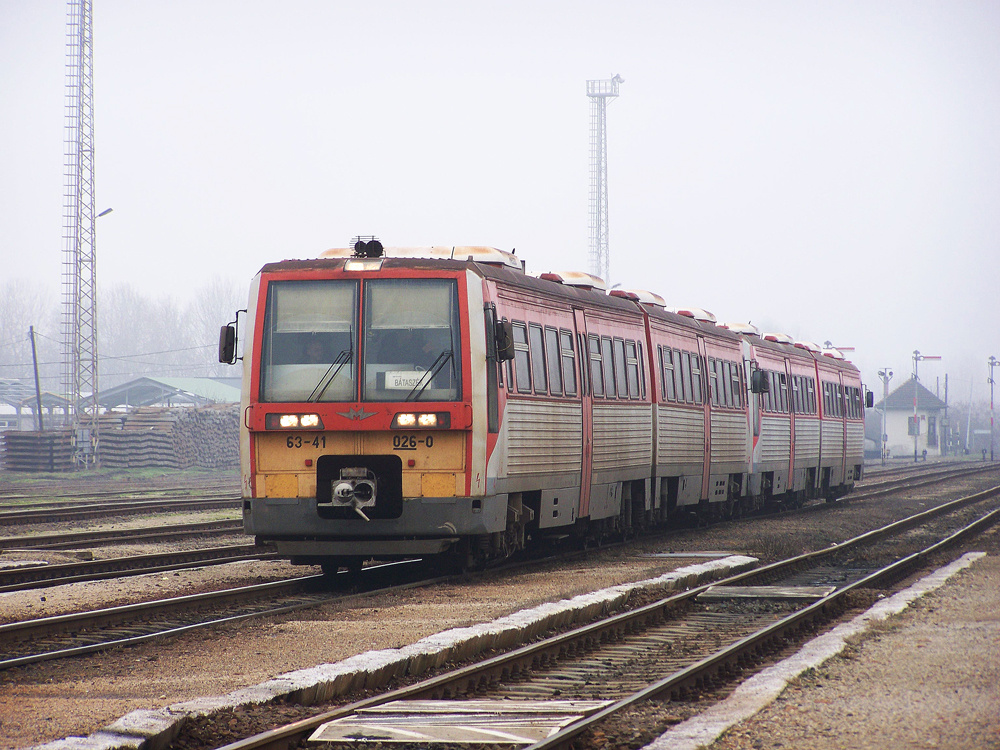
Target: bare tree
x=214, y=305
x=23, y=304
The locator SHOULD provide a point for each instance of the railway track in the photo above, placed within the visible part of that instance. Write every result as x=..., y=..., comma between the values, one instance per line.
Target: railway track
x=33, y=576
x=570, y=689
x=55, y=512
x=880, y=485
x=82, y=633
x=15, y=492
x=89, y=632
x=62, y=636
x=38, y=576
x=78, y=539
x=123, y=622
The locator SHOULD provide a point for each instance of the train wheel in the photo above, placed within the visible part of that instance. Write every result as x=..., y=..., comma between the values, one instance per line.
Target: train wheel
x=331, y=568
x=704, y=512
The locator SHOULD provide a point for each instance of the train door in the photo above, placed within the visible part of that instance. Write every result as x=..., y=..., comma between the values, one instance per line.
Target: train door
x=790, y=391
x=706, y=402
x=843, y=423
x=821, y=417
x=587, y=412
x=753, y=400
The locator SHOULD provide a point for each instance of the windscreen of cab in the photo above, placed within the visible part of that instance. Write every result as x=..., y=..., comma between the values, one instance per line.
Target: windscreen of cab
x=409, y=341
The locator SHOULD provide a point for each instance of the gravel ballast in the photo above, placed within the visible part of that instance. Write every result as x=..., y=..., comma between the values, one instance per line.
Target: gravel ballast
x=78, y=697
x=910, y=672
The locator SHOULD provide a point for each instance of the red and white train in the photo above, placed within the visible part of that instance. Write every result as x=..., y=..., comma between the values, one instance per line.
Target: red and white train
x=402, y=402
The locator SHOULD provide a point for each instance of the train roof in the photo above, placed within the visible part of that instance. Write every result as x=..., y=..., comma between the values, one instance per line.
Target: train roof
x=466, y=253
x=575, y=286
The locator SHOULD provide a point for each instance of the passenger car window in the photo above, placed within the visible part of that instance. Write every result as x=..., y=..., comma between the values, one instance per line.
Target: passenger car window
x=607, y=352
x=568, y=362
x=596, y=367
x=537, y=346
x=667, y=369
x=522, y=359
x=553, y=358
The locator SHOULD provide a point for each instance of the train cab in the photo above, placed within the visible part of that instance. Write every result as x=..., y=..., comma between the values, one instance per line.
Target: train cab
x=363, y=376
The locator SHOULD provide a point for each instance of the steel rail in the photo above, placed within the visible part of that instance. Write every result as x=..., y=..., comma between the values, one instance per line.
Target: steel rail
x=915, y=481
x=118, y=536
x=8, y=491
x=70, y=500
x=116, y=616
x=118, y=508
x=44, y=576
x=110, y=616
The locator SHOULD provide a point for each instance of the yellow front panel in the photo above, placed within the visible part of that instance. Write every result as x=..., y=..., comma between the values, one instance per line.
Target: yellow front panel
x=437, y=470
x=281, y=485
x=428, y=450
x=288, y=451
x=437, y=485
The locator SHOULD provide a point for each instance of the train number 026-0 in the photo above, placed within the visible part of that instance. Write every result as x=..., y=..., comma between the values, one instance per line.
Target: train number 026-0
x=297, y=441
x=410, y=442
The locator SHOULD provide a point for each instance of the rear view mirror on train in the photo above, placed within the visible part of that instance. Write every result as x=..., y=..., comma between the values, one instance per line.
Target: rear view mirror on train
x=227, y=345
x=759, y=382
x=869, y=399
x=505, y=340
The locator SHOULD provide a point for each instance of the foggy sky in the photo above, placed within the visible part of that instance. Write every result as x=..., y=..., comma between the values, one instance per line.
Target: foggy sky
x=828, y=170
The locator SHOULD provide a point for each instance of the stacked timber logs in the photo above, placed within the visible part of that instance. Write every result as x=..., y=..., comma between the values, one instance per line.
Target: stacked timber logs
x=173, y=437
x=38, y=451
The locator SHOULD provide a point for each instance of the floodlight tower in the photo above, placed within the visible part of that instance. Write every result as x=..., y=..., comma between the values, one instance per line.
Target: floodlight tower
x=600, y=92
x=79, y=270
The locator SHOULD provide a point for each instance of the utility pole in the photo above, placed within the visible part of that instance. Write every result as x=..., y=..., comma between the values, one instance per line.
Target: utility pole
x=38, y=388
x=917, y=357
x=886, y=375
x=600, y=92
x=992, y=362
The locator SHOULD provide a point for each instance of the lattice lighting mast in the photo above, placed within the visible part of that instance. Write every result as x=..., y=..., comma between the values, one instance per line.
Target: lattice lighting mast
x=79, y=219
x=600, y=92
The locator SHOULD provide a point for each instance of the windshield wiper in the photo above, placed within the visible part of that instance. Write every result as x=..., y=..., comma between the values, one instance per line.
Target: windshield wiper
x=429, y=375
x=324, y=382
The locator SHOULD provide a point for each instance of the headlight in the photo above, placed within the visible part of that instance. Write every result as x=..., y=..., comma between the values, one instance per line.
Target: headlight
x=425, y=421
x=293, y=422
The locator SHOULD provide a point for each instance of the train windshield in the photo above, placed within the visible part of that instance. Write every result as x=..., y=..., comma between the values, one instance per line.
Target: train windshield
x=411, y=340
x=309, y=341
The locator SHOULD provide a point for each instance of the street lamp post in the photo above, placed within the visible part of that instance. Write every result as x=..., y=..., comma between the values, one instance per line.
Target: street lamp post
x=917, y=357
x=992, y=362
x=886, y=376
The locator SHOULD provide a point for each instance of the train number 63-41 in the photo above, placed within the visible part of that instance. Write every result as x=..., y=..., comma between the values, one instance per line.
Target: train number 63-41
x=297, y=441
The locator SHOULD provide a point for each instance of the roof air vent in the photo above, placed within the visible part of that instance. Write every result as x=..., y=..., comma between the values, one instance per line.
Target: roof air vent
x=779, y=338
x=694, y=312
x=747, y=329
x=576, y=278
